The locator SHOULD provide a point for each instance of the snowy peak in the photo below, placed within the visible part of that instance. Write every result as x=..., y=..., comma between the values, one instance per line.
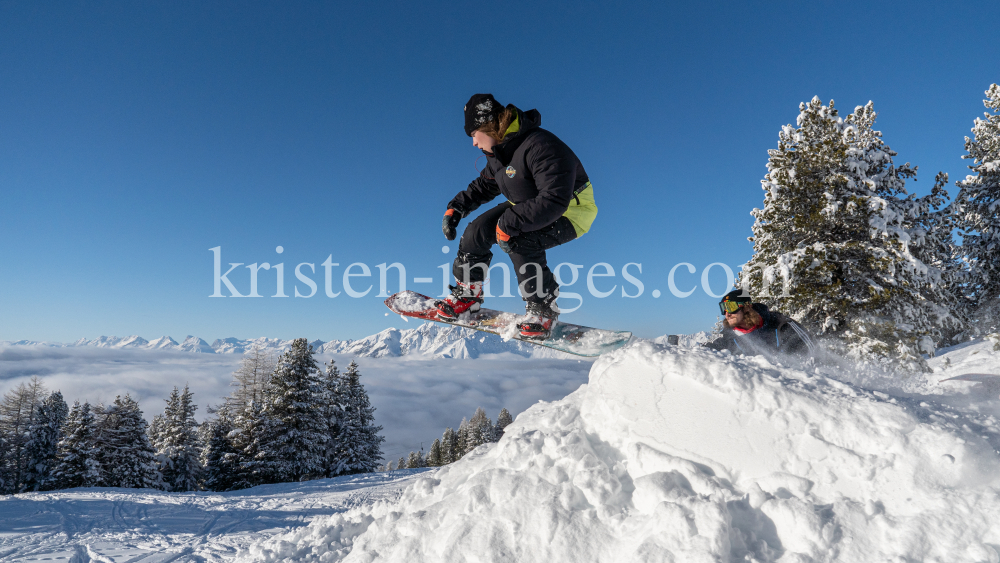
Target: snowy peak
x=437, y=341
x=195, y=344
x=133, y=342
x=163, y=343
x=429, y=339
x=381, y=345
x=104, y=342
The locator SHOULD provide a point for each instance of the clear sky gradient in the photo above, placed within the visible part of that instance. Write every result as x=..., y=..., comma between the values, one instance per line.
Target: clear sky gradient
x=135, y=136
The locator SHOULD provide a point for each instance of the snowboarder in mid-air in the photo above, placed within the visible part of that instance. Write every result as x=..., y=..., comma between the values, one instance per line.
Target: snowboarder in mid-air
x=751, y=328
x=550, y=201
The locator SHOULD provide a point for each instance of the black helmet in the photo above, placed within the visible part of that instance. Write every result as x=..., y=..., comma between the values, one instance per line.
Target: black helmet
x=733, y=300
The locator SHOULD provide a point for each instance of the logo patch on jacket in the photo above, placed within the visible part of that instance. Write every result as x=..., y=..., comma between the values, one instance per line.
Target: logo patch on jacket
x=511, y=171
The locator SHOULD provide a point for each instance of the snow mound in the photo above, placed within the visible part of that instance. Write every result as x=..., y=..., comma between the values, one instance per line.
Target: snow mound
x=683, y=454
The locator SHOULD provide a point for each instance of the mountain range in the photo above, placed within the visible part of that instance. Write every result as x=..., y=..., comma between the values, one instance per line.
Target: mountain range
x=429, y=339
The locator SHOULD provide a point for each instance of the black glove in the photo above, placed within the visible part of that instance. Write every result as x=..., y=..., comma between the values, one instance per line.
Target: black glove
x=451, y=219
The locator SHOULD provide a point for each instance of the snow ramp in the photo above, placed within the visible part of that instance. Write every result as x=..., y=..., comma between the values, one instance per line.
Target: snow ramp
x=674, y=454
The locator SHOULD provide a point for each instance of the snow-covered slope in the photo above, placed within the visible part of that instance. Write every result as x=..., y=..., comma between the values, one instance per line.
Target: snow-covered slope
x=106, y=525
x=675, y=453
x=429, y=339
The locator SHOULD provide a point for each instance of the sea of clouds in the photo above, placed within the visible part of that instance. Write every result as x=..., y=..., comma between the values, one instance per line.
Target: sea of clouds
x=415, y=397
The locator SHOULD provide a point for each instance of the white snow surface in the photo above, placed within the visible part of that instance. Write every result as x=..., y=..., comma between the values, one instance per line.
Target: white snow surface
x=108, y=525
x=679, y=453
x=668, y=453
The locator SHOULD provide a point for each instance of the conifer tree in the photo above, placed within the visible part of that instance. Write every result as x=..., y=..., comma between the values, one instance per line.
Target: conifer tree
x=449, y=447
x=293, y=446
x=833, y=245
x=359, y=444
x=933, y=232
x=43, y=442
x=219, y=457
x=17, y=414
x=480, y=430
x=503, y=421
x=175, y=437
x=126, y=457
x=401, y=464
x=248, y=436
x=333, y=413
x=76, y=458
x=251, y=378
x=415, y=461
x=434, y=455
x=978, y=215
x=462, y=439
x=4, y=471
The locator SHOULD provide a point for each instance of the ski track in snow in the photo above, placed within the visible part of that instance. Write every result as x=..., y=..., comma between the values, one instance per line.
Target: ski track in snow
x=104, y=525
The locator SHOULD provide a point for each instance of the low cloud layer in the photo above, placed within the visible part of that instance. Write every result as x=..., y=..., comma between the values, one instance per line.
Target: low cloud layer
x=415, y=398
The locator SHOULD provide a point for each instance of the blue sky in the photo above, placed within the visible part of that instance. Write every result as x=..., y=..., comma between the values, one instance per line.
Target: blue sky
x=134, y=137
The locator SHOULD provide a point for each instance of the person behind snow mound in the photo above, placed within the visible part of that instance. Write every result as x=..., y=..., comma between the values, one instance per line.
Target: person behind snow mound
x=752, y=329
x=549, y=201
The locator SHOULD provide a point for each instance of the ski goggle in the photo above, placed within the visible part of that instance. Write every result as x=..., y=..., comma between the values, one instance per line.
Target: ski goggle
x=731, y=306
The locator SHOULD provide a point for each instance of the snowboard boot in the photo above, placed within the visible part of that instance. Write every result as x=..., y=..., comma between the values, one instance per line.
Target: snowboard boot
x=464, y=298
x=539, y=319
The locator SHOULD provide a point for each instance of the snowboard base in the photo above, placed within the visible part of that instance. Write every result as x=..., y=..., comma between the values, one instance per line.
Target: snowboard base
x=572, y=339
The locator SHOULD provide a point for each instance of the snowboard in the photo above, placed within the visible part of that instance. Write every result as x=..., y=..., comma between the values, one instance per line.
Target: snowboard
x=569, y=338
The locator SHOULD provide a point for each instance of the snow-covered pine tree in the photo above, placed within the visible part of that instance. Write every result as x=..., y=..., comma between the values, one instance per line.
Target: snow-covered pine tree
x=219, y=457
x=17, y=413
x=480, y=430
x=42, y=447
x=155, y=429
x=832, y=245
x=932, y=231
x=359, y=443
x=178, y=450
x=401, y=464
x=434, y=456
x=449, y=446
x=126, y=457
x=333, y=413
x=415, y=461
x=250, y=428
x=4, y=470
x=977, y=215
x=76, y=459
x=503, y=421
x=461, y=440
x=293, y=446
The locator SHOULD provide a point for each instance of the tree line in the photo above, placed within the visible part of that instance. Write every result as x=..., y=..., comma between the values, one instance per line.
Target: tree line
x=453, y=445
x=882, y=276
x=286, y=420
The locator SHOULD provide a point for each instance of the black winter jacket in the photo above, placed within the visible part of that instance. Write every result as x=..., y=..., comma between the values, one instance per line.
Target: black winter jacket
x=534, y=170
x=778, y=335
